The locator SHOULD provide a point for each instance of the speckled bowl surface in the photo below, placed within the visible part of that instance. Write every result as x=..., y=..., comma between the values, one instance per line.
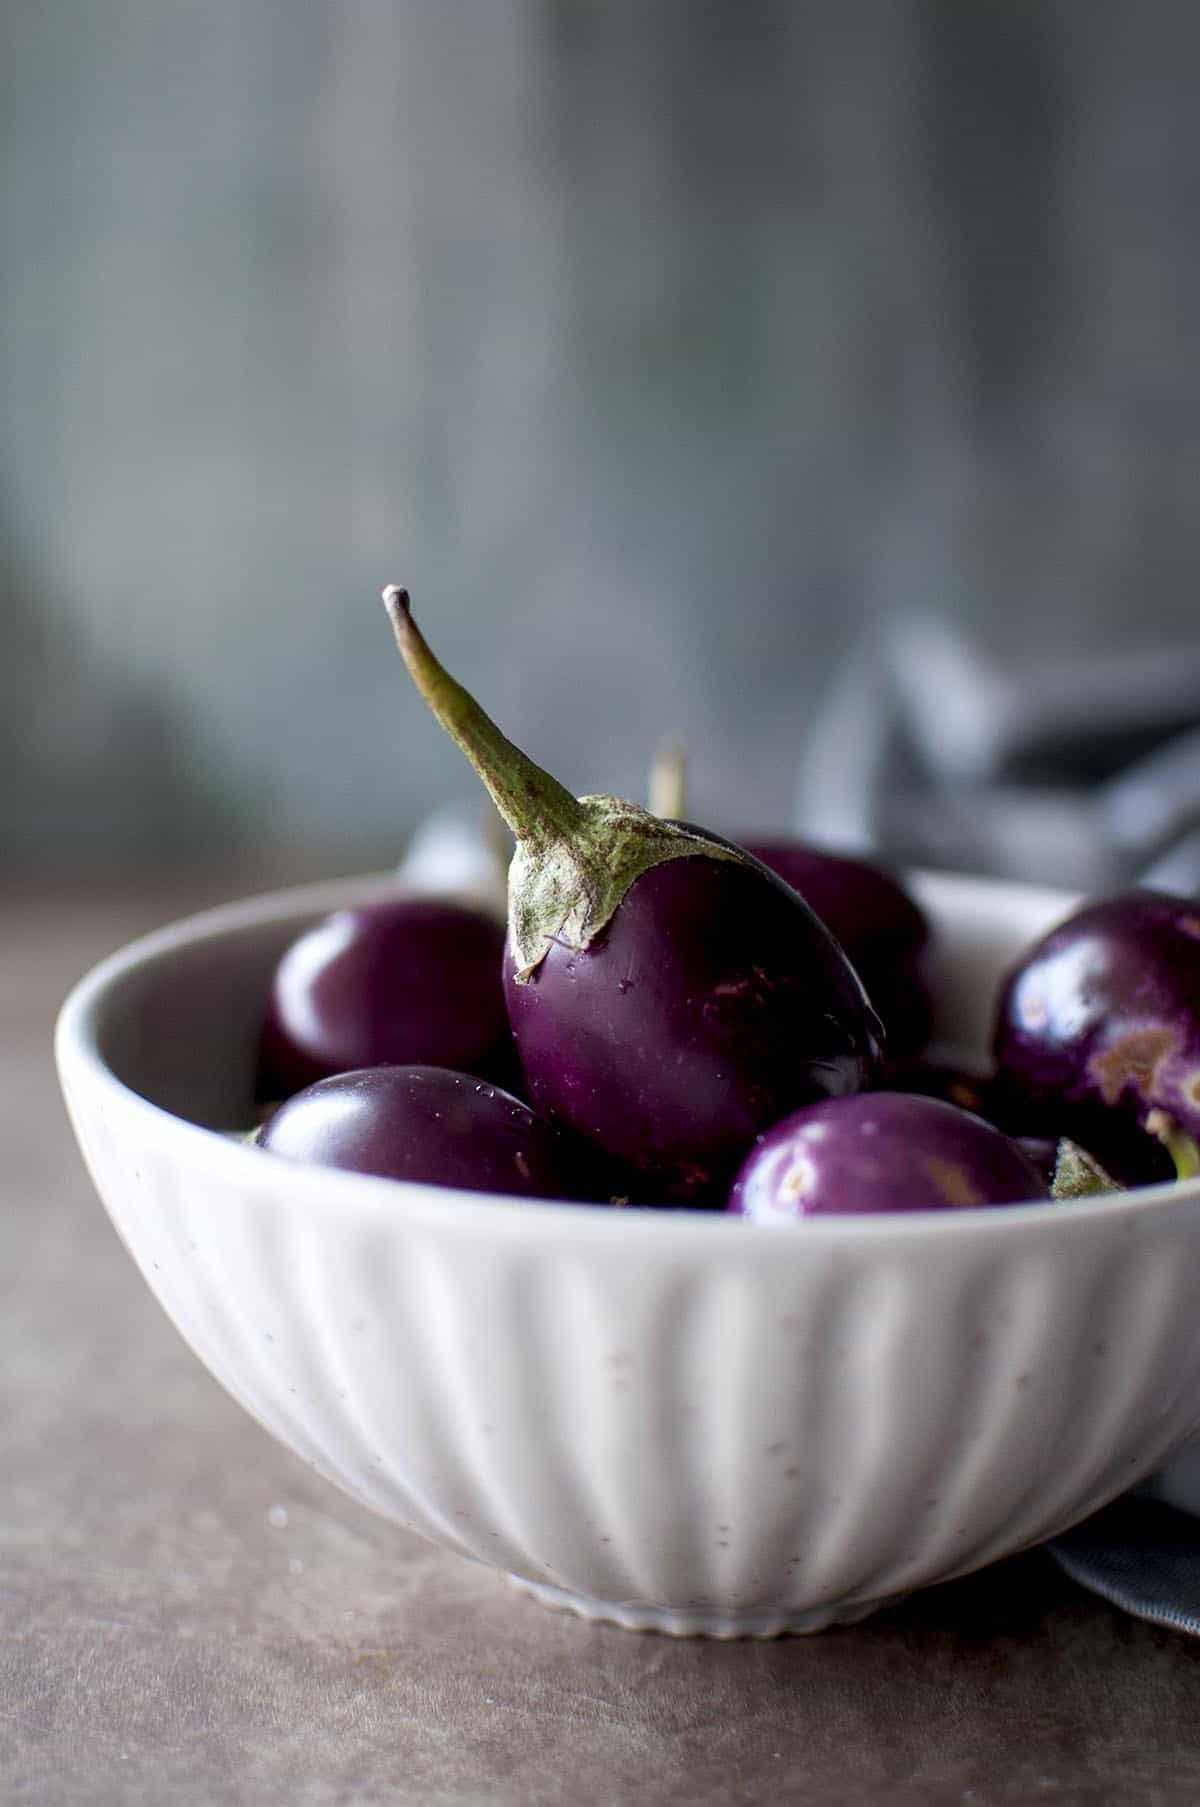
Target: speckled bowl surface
x=675, y=1421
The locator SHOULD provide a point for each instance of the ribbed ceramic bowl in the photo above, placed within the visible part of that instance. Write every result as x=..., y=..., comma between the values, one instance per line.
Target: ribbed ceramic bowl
x=673, y=1421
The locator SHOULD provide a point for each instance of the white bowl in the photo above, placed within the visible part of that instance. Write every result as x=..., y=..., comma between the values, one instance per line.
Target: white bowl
x=674, y=1421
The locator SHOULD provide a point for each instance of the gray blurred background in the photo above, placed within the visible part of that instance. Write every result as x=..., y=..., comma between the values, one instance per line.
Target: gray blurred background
x=661, y=347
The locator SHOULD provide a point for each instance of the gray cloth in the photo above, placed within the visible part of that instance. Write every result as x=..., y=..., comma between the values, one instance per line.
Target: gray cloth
x=1141, y=1555
x=1083, y=772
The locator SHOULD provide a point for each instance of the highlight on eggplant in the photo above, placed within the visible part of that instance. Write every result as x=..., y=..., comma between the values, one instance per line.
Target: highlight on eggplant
x=1099, y=1023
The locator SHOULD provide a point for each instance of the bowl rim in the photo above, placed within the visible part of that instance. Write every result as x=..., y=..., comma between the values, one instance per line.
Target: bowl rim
x=80, y=1063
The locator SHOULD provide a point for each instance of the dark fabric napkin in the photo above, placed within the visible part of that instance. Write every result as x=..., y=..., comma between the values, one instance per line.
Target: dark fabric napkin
x=1141, y=1555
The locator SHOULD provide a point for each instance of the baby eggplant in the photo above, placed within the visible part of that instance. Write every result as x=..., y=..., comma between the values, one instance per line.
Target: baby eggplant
x=880, y=926
x=389, y=983
x=668, y=996
x=1108, y=1139
x=1041, y=1132
x=865, y=909
x=1101, y=1021
x=423, y=1123
x=881, y=1151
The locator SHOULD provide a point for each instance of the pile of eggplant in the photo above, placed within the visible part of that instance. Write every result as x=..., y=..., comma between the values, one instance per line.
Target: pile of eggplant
x=671, y=1019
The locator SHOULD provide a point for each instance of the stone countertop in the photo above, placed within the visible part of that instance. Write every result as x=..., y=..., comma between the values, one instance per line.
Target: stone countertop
x=188, y=1614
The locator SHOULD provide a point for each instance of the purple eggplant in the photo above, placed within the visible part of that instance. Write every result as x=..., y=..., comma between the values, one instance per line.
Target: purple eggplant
x=881, y=928
x=707, y=1004
x=669, y=997
x=868, y=912
x=389, y=983
x=881, y=1151
x=1099, y=1025
x=1044, y=1153
x=428, y=1124
x=1109, y=1139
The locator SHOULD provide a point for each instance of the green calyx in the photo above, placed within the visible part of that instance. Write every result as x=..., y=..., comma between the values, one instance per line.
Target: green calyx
x=576, y=857
x=568, y=889
x=1077, y=1174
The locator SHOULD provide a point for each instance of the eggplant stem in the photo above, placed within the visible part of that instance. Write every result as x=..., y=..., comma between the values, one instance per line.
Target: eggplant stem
x=535, y=806
x=1181, y=1147
x=667, y=791
x=575, y=857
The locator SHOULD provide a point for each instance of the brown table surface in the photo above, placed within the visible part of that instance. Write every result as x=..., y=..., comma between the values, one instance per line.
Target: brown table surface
x=165, y=1638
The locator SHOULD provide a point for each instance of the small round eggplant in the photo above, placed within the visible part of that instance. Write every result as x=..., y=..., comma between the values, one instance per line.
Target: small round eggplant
x=881, y=1151
x=668, y=996
x=868, y=912
x=874, y=919
x=1132, y=1157
x=705, y=1007
x=1101, y=1021
x=389, y=983
x=424, y=1123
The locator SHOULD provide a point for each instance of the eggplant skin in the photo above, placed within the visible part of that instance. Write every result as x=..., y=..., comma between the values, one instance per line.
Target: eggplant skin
x=1037, y=1126
x=881, y=1151
x=714, y=1002
x=427, y=1124
x=1103, y=1014
x=389, y=983
x=882, y=929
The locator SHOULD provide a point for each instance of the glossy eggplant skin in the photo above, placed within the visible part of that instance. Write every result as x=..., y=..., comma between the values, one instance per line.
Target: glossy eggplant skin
x=412, y=979
x=427, y=1124
x=713, y=1002
x=1101, y=1019
x=881, y=1151
x=882, y=929
x=1132, y=1157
